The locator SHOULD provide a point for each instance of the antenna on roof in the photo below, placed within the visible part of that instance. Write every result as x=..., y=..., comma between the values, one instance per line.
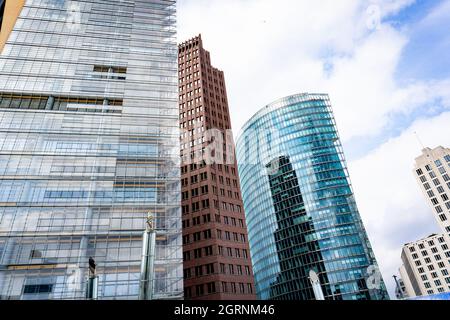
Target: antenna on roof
x=418, y=139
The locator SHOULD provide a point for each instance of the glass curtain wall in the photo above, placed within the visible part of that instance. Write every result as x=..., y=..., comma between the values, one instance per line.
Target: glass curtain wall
x=89, y=148
x=299, y=205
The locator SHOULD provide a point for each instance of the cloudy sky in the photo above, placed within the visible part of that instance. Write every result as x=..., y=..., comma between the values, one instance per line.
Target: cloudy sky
x=386, y=66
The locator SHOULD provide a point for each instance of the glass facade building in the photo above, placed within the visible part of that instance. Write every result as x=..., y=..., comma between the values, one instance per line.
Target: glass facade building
x=89, y=147
x=299, y=205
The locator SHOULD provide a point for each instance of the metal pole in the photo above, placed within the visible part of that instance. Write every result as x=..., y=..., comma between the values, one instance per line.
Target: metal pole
x=92, y=285
x=315, y=282
x=148, y=258
x=92, y=289
x=402, y=296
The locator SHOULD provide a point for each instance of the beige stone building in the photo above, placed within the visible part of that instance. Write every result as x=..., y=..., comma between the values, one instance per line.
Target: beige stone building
x=426, y=266
x=426, y=262
x=432, y=171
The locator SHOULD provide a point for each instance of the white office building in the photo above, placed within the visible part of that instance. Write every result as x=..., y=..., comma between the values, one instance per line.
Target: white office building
x=426, y=266
x=432, y=170
x=426, y=263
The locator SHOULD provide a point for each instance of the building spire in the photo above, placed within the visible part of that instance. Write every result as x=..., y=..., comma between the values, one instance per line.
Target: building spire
x=419, y=140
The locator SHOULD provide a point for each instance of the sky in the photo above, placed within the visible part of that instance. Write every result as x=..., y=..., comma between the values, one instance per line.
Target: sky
x=385, y=65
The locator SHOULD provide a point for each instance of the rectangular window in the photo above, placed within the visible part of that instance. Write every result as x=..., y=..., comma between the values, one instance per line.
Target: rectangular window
x=37, y=288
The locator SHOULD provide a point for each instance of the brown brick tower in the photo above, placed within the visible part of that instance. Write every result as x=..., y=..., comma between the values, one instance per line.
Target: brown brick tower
x=216, y=254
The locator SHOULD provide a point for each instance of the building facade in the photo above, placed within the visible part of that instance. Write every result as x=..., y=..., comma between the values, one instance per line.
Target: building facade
x=299, y=205
x=432, y=171
x=89, y=148
x=426, y=266
x=216, y=252
x=400, y=289
x=426, y=262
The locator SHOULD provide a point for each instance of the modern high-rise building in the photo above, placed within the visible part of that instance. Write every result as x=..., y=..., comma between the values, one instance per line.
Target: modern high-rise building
x=300, y=209
x=432, y=171
x=216, y=252
x=426, y=266
x=89, y=149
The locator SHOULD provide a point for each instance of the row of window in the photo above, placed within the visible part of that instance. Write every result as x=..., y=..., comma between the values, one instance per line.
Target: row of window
x=221, y=235
x=430, y=243
x=194, y=166
x=209, y=251
x=435, y=275
x=206, y=218
x=211, y=288
x=208, y=269
x=437, y=283
x=204, y=204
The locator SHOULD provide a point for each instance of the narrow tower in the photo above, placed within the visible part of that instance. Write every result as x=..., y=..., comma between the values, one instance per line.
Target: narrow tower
x=216, y=254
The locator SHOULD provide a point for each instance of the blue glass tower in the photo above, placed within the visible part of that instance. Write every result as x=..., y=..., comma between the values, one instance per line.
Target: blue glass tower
x=299, y=205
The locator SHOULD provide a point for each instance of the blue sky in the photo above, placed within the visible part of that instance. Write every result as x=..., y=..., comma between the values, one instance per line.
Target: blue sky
x=423, y=57
x=386, y=66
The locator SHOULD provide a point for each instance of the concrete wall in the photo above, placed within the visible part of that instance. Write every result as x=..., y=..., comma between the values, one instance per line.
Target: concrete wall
x=12, y=11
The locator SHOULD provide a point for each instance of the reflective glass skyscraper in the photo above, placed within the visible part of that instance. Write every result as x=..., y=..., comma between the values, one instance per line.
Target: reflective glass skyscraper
x=299, y=205
x=89, y=148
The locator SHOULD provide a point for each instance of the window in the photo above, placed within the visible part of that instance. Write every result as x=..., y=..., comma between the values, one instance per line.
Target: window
x=199, y=290
x=198, y=271
x=208, y=251
x=186, y=256
x=211, y=287
x=188, y=292
x=210, y=268
x=239, y=270
x=247, y=270
x=207, y=234
x=230, y=269
x=37, y=288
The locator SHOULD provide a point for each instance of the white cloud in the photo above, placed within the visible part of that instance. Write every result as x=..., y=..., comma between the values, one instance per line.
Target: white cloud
x=391, y=204
x=271, y=48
